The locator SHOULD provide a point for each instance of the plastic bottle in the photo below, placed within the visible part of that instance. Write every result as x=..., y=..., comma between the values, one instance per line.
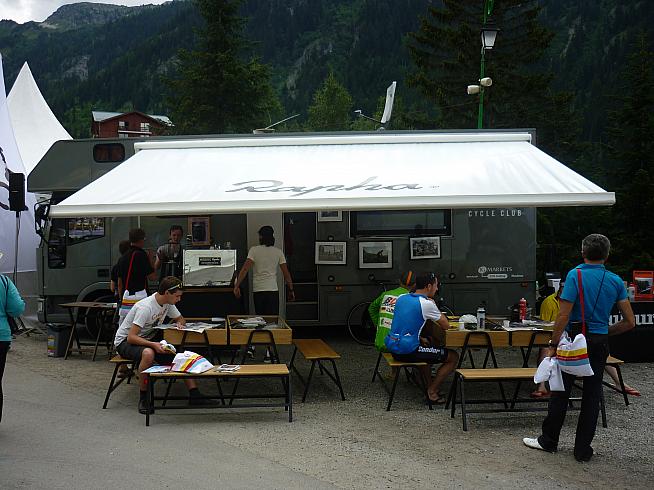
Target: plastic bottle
x=631, y=292
x=523, y=309
x=481, y=318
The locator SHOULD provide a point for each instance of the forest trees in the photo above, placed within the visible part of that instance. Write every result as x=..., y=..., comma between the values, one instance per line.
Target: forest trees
x=446, y=54
x=218, y=90
x=630, y=162
x=331, y=109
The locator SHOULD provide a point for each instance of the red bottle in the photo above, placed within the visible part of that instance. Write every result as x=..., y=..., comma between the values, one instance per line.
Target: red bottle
x=523, y=308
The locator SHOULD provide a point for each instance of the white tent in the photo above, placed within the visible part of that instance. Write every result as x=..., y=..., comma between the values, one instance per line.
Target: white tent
x=29, y=241
x=348, y=172
x=35, y=126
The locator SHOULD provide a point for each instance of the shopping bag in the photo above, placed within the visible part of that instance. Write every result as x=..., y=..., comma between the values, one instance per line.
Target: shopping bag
x=190, y=362
x=572, y=356
x=129, y=300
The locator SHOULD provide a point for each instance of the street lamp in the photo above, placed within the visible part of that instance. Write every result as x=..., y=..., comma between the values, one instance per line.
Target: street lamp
x=488, y=35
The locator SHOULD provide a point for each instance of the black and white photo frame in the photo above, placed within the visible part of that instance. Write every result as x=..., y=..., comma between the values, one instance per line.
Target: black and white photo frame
x=331, y=253
x=425, y=247
x=376, y=255
x=330, y=216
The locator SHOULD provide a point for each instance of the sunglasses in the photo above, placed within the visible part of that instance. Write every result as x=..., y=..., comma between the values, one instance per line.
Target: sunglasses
x=172, y=288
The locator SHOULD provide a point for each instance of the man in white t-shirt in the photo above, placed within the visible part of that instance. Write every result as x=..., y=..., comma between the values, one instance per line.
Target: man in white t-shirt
x=138, y=339
x=264, y=259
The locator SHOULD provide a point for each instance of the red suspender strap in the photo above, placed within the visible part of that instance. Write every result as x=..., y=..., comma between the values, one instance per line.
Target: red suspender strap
x=129, y=271
x=581, y=301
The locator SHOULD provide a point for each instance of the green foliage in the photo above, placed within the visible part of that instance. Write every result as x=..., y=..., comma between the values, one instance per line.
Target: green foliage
x=588, y=110
x=446, y=53
x=216, y=90
x=332, y=107
x=77, y=119
x=630, y=150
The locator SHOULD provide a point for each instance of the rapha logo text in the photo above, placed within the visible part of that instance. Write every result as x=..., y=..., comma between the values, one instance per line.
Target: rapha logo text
x=278, y=186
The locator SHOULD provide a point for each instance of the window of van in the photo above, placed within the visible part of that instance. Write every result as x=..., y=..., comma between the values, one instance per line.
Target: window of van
x=57, y=244
x=109, y=152
x=428, y=222
x=84, y=229
x=68, y=232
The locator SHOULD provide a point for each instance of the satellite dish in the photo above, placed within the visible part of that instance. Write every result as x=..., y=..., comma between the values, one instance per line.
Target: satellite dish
x=388, y=107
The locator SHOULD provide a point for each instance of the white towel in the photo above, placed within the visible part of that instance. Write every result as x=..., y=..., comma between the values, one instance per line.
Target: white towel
x=549, y=370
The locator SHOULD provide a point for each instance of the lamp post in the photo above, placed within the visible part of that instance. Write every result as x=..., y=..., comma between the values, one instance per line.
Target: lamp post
x=488, y=34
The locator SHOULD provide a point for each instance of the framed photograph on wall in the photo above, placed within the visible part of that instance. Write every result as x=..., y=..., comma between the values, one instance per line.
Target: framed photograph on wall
x=330, y=215
x=375, y=255
x=331, y=253
x=199, y=230
x=425, y=247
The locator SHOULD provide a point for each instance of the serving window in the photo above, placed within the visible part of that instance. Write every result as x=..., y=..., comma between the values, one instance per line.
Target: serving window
x=428, y=222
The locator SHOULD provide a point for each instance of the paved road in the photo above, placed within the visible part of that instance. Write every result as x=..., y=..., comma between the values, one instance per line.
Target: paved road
x=55, y=436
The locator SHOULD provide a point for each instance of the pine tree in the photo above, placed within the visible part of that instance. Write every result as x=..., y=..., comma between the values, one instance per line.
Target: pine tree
x=631, y=163
x=446, y=53
x=216, y=89
x=331, y=109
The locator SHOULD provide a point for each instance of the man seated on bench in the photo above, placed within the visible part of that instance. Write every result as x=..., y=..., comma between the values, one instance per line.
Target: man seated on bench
x=409, y=341
x=138, y=340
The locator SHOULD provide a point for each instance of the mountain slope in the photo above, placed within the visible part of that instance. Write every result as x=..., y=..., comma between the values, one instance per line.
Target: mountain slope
x=115, y=59
x=77, y=15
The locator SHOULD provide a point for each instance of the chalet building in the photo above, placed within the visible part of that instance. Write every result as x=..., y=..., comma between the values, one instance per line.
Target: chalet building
x=127, y=125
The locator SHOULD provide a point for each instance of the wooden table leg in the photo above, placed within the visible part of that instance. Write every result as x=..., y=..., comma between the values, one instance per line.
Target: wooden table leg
x=69, y=345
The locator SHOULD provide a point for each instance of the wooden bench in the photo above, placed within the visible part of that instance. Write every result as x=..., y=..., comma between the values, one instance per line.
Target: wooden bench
x=461, y=376
x=280, y=371
x=616, y=363
x=113, y=384
x=316, y=351
x=396, y=367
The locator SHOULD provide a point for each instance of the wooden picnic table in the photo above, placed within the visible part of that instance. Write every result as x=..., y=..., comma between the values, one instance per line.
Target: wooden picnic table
x=106, y=314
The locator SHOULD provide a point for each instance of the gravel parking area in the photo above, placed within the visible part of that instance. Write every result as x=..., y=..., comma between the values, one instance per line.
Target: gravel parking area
x=351, y=444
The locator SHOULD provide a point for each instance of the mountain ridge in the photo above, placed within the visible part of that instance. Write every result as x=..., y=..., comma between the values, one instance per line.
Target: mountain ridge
x=115, y=61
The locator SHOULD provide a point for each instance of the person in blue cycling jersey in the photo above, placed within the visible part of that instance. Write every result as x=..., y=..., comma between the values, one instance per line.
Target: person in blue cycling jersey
x=409, y=339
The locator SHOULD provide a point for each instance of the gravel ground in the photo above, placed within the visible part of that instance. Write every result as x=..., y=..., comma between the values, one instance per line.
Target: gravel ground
x=357, y=444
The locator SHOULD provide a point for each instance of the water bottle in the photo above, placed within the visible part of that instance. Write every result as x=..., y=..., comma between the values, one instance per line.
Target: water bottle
x=523, y=309
x=481, y=318
x=631, y=292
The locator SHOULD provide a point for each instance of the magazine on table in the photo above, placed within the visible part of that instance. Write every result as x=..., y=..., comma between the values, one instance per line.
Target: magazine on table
x=256, y=322
x=198, y=327
x=158, y=369
x=227, y=368
x=527, y=325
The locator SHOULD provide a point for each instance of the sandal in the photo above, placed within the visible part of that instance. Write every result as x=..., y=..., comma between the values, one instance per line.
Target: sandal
x=439, y=401
x=632, y=391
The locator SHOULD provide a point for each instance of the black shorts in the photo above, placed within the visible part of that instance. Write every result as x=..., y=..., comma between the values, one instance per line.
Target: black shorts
x=430, y=355
x=134, y=352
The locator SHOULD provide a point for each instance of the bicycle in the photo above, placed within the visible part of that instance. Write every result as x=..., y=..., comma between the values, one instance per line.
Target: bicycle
x=361, y=327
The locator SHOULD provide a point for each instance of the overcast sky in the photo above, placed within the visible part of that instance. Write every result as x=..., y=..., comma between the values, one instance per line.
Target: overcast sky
x=38, y=10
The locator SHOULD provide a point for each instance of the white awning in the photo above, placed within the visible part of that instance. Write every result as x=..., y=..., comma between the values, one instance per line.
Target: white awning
x=333, y=172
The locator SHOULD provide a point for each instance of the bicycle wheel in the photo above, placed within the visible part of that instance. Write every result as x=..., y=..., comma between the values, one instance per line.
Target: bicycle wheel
x=360, y=325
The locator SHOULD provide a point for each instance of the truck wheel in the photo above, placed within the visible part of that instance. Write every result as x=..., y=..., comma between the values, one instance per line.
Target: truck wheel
x=92, y=318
